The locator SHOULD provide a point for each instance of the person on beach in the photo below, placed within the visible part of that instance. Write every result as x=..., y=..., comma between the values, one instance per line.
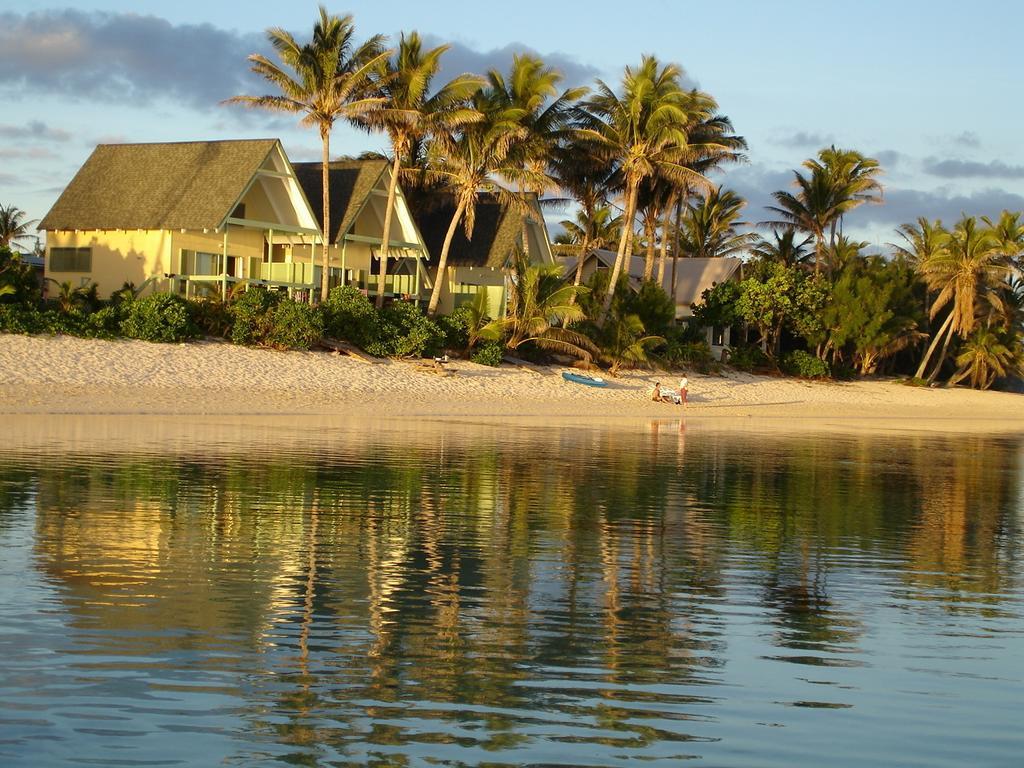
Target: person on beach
x=683, y=384
x=656, y=393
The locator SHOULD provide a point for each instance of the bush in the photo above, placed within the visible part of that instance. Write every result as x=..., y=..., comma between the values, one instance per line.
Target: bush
x=251, y=315
x=162, y=317
x=412, y=332
x=455, y=328
x=294, y=326
x=212, y=317
x=747, y=357
x=805, y=365
x=489, y=353
x=349, y=315
x=688, y=354
x=15, y=319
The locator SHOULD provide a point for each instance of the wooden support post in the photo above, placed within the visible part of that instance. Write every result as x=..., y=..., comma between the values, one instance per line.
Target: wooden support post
x=224, y=267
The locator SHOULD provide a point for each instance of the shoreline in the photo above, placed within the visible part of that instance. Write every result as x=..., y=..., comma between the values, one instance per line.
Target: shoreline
x=64, y=376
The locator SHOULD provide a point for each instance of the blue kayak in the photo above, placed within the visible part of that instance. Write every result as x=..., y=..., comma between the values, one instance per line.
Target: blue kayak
x=582, y=378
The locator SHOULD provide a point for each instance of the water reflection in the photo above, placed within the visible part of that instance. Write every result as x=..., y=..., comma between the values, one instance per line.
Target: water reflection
x=468, y=596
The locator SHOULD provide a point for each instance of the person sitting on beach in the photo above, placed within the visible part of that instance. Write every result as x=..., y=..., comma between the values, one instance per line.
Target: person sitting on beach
x=656, y=393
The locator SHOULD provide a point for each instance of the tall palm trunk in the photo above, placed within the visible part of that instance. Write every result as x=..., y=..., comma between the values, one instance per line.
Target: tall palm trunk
x=325, y=259
x=442, y=263
x=385, y=243
x=625, y=242
x=942, y=355
x=650, y=231
x=665, y=229
x=584, y=247
x=931, y=347
x=675, y=243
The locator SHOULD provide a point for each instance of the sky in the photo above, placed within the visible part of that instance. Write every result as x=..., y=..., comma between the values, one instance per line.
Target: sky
x=930, y=88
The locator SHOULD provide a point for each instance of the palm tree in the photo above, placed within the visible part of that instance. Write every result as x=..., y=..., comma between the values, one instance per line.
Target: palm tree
x=644, y=131
x=985, y=357
x=532, y=88
x=410, y=113
x=960, y=274
x=853, y=172
x=13, y=226
x=589, y=180
x=480, y=325
x=539, y=303
x=325, y=80
x=783, y=248
x=709, y=226
x=469, y=161
x=816, y=206
x=594, y=231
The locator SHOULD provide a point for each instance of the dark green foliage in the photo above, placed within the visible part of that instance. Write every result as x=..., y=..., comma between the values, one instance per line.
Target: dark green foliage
x=747, y=357
x=805, y=365
x=162, y=317
x=294, y=326
x=212, y=316
x=18, y=283
x=349, y=315
x=251, y=315
x=654, y=307
x=409, y=332
x=455, y=328
x=717, y=306
x=489, y=353
x=680, y=353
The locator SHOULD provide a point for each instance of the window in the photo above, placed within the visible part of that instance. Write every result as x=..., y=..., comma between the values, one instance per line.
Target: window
x=199, y=263
x=71, y=259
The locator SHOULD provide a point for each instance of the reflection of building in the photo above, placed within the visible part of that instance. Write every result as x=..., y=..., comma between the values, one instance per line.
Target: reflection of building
x=690, y=277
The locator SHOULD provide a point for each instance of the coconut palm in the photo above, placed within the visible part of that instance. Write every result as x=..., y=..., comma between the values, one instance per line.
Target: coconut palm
x=589, y=181
x=330, y=78
x=13, y=225
x=480, y=325
x=960, y=275
x=783, y=248
x=1010, y=230
x=709, y=226
x=470, y=160
x=541, y=309
x=531, y=87
x=852, y=172
x=643, y=129
x=411, y=112
x=986, y=356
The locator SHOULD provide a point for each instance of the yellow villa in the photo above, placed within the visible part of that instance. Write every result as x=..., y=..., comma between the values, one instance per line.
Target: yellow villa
x=192, y=217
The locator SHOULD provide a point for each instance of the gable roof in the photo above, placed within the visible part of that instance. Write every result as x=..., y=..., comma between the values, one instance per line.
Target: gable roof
x=693, y=275
x=497, y=231
x=181, y=185
x=351, y=182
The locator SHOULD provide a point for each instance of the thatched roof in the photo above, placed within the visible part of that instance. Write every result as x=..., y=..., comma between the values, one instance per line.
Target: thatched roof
x=184, y=185
x=497, y=231
x=351, y=182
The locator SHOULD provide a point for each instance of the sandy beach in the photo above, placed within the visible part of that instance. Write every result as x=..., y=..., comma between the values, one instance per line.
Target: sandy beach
x=65, y=375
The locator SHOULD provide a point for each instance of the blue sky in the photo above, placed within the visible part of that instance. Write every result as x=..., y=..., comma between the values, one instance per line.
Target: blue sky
x=933, y=89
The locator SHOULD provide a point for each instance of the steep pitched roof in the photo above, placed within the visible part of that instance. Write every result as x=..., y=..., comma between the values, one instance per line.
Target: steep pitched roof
x=497, y=231
x=351, y=182
x=183, y=185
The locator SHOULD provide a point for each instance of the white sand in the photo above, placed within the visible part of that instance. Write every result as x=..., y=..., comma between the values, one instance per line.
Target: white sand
x=64, y=375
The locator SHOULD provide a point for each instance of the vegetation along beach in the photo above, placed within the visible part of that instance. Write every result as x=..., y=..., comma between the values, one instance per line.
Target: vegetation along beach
x=462, y=385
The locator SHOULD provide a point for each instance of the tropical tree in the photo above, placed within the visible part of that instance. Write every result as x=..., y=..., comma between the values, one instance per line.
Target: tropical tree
x=624, y=342
x=480, y=324
x=986, y=356
x=709, y=226
x=13, y=225
x=542, y=308
x=411, y=112
x=325, y=80
x=783, y=248
x=813, y=208
x=531, y=88
x=643, y=130
x=472, y=159
x=855, y=174
x=960, y=274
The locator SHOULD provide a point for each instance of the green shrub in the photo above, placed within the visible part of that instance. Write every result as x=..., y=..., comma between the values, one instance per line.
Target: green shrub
x=294, y=326
x=104, y=323
x=212, y=317
x=489, y=353
x=17, y=319
x=805, y=365
x=251, y=315
x=455, y=328
x=349, y=315
x=414, y=334
x=747, y=357
x=688, y=354
x=162, y=317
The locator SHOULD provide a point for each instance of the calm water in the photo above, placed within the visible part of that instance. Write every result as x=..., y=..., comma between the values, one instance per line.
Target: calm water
x=469, y=595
